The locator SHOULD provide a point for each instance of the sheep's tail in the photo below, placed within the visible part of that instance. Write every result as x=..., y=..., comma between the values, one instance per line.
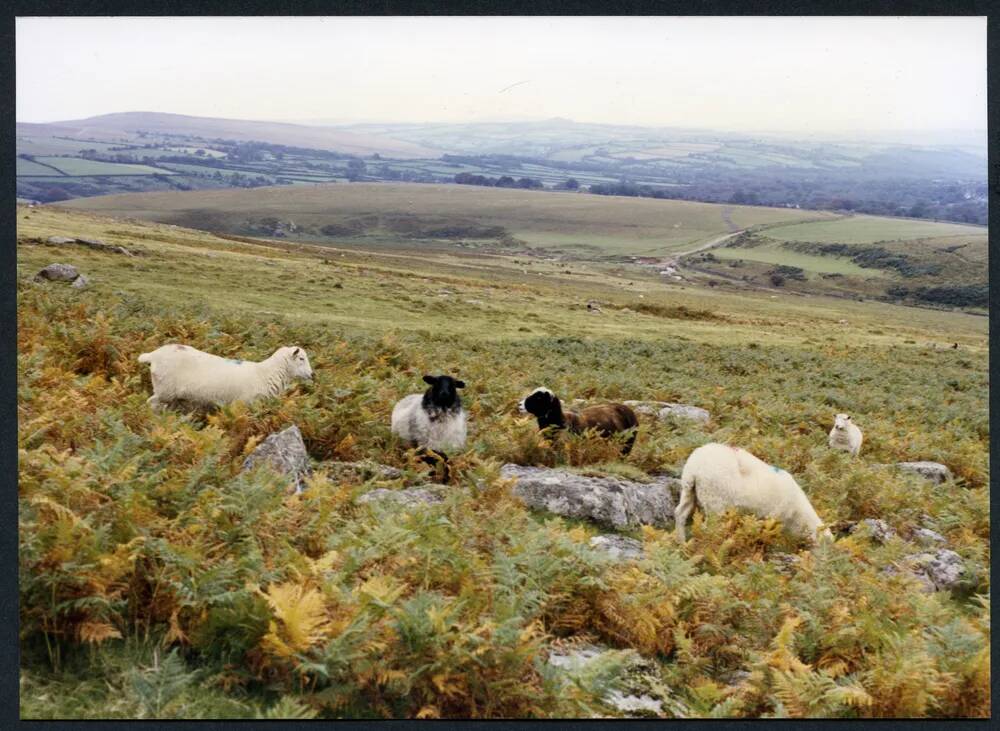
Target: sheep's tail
x=146, y=358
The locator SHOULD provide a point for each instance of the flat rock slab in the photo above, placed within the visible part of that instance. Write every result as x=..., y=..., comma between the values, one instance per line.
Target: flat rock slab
x=410, y=497
x=659, y=410
x=933, y=471
x=619, y=547
x=927, y=537
x=636, y=697
x=285, y=453
x=58, y=273
x=609, y=500
x=364, y=471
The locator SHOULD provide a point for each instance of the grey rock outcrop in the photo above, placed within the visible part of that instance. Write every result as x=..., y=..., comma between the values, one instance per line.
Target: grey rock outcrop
x=95, y=244
x=940, y=570
x=609, y=500
x=285, y=453
x=618, y=547
x=80, y=282
x=636, y=697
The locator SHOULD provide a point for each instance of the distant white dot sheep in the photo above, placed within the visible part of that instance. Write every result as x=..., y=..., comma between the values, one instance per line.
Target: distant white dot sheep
x=180, y=372
x=435, y=419
x=720, y=477
x=845, y=435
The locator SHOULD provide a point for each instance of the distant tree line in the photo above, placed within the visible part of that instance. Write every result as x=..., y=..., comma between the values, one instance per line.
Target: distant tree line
x=504, y=181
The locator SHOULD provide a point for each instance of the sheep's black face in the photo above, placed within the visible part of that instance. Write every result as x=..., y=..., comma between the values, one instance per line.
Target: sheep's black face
x=443, y=392
x=543, y=405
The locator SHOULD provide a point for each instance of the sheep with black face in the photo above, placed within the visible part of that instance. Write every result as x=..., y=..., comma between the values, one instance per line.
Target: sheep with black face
x=433, y=420
x=608, y=419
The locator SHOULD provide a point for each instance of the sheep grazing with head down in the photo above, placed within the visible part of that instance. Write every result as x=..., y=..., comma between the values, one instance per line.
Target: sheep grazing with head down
x=845, y=435
x=433, y=420
x=720, y=477
x=183, y=373
x=608, y=419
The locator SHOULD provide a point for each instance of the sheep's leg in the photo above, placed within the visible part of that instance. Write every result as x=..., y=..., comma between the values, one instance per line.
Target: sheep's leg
x=155, y=404
x=627, y=449
x=436, y=460
x=685, y=506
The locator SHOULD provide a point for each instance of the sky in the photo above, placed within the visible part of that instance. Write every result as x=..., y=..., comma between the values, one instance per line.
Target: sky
x=829, y=75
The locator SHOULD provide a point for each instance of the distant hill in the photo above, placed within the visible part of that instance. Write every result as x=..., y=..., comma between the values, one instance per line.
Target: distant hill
x=126, y=125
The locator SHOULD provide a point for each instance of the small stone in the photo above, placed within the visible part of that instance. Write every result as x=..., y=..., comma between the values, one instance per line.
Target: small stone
x=285, y=453
x=683, y=411
x=60, y=240
x=786, y=563
x=879, y=530
x=80, y=282
x=58, y=273
x=618, y=547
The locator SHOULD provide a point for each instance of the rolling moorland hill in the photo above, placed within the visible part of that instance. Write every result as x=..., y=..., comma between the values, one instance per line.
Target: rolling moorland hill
x=734, y=247
x=128, y=125
x=942, y=178
x=158, y=581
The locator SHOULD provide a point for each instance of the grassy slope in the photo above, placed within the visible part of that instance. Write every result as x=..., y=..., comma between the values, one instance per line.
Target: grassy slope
x=605, y=224
x=131, y=523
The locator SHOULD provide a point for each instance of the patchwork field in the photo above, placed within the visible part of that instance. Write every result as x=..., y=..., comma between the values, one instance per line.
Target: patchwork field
x=157, y=581
x=79, y=166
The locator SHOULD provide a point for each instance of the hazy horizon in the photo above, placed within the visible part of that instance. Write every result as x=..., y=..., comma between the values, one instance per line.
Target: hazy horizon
x=792, y=75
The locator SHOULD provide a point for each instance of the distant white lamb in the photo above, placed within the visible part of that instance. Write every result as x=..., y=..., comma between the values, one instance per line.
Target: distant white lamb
x=180, y=372
x=720, y=477
x=845, y=435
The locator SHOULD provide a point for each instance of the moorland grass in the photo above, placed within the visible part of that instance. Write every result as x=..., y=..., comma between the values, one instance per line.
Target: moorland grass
x=157, y=581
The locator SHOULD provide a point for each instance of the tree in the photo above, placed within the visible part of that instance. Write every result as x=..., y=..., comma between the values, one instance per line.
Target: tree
x=571, y=184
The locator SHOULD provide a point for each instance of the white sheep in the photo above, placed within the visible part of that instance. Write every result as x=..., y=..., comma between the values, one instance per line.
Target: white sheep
x=433, y=420
x=722, y=477
x=180, y=372
x=845, y=435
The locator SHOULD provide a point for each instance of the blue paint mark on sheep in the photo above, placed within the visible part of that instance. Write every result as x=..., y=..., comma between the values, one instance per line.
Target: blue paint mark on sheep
x=776, y=469
x=234, y=361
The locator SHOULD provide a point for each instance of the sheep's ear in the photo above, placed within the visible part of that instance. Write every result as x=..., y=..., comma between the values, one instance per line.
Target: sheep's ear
x=295, y=353
x=430, y=379
x=459, y=384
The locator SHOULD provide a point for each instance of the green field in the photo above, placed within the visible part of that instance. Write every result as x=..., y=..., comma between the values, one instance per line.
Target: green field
x=818, y=264
x=608, y=224
x=79, y=166
x=156, y=581
x=869, y=229
x=29, y=167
